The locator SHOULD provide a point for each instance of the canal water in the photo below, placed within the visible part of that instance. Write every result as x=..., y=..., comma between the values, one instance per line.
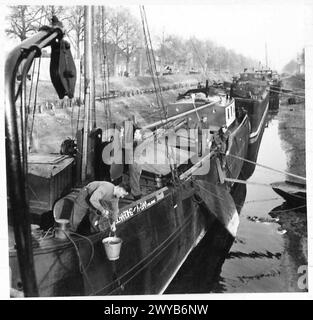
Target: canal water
x=269, y=253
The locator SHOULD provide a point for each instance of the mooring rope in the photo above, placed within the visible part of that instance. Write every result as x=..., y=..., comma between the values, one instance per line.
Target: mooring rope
x=247, y=182
x=266, y=167
x=263, y=200
x=245, y=202
x=83, y=269
x=287, y=94
x=289, y=209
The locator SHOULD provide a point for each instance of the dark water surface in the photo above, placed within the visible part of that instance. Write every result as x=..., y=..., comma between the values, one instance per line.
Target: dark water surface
x=269, y=253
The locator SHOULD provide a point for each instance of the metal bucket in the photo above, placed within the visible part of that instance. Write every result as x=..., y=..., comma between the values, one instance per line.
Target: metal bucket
x=112, y=246
x=62, y=227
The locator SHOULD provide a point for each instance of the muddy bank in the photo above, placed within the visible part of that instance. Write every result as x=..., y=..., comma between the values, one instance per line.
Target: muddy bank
x=292, y=129
x=292, y=134
x=294, y=82
x=55, y=124
x=294, y=222
x=51, y=127
x=129, y=86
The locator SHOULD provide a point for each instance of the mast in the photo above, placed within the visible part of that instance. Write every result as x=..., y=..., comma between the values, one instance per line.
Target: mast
x=89, y=92
x=92, y=76
x=266, y=58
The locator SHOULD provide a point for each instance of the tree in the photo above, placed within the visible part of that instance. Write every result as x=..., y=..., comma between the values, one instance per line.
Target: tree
x=291, y=67
x=54, y=11
x=24, y=21
x=173, y=51
x=131, y=40
x=117, y=32
x=75, y=27
x=198, y=52
x=211, y=59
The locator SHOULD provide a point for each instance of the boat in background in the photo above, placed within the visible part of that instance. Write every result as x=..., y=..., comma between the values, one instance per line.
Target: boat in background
x=273, y=79
x=251, y=93
x=293, y=192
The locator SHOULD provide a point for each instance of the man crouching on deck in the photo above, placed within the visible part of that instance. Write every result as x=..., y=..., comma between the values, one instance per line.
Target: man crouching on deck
x=100, y=200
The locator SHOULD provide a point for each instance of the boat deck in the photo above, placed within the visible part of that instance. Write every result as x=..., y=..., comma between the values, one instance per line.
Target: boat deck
x=147, y=186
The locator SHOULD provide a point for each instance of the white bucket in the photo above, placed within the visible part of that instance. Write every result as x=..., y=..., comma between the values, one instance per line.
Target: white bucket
x=112, y=246
x=62, y=227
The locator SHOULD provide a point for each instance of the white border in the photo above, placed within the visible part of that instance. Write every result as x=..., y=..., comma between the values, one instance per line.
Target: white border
x=4, y=273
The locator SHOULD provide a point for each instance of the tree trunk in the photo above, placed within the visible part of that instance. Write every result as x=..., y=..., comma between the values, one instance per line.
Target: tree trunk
x=77, y=45
x=115, y=63
x=127, y=64
x=140, y=62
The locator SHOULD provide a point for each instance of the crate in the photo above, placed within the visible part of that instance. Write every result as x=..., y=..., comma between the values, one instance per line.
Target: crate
x=50, y=176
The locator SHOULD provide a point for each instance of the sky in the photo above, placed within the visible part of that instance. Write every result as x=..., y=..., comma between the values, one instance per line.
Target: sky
x=246, y=26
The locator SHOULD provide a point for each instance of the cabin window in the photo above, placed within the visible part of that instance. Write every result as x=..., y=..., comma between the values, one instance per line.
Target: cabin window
x=227, y=114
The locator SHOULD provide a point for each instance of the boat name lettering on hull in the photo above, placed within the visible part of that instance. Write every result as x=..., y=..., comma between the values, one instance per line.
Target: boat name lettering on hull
x=139, y=207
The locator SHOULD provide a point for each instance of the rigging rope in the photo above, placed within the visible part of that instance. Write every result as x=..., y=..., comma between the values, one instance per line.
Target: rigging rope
x=157, y=86
x=34, y=107
x=105, y=73
x=36, y=88
x=31, y=88
x=155, y=67
x=79, y=97
x=108, y=77
x=149, y=57
x=72, y=117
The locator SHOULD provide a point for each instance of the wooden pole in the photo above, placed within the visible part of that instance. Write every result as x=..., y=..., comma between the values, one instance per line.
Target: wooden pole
x=87, y=90
x=92, y=124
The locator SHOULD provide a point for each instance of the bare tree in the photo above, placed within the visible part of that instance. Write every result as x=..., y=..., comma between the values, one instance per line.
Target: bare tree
x=54, y=11
x=23, y=20
x=101, y=29
x=131, y=40
x=117, y=33
x=173, y=51
x=58, y=11
x=75, y=27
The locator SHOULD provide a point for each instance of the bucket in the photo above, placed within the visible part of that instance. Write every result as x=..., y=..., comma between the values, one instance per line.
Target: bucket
x=62, y=226
x=112, y=246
